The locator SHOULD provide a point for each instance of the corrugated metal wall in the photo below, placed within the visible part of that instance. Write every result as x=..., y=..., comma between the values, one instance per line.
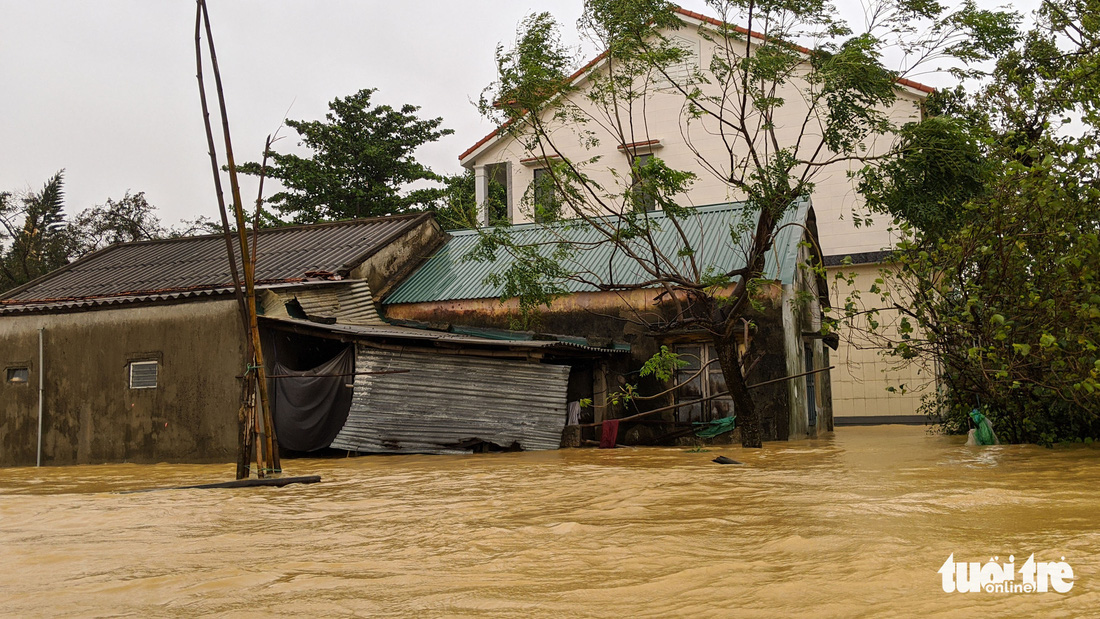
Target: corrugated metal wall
x=447, y=400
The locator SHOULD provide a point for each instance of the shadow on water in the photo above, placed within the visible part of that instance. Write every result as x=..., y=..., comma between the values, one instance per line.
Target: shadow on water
x=854, y=524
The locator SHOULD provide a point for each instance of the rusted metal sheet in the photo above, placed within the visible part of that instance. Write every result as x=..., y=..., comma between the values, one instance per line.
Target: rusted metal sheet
x=172, y=265
x=425, y=337
x=348, y=303
x=446, y=404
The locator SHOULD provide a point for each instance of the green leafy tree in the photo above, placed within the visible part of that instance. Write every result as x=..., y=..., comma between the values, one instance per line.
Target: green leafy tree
x=33, y=236
x=130, y=218
x=998, y=279
x=833, y=97
x=362, y=163
x=36, y=237
x=456, y=208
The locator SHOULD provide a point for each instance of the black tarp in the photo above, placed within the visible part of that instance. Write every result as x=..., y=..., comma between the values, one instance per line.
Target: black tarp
x=312, y=406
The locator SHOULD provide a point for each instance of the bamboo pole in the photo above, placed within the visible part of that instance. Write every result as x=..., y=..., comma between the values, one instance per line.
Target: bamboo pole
x=244, y=413
x=266, y=450
x=273, y=445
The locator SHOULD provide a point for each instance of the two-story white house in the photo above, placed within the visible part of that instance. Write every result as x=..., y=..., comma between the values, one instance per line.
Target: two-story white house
x=659, y=127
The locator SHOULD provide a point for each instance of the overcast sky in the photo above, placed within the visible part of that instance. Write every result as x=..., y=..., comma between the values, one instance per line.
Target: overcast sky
x=107, y=90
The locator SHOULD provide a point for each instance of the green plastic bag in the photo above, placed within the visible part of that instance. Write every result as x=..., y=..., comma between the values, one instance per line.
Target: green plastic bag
x=711, y=429
x=983, y=430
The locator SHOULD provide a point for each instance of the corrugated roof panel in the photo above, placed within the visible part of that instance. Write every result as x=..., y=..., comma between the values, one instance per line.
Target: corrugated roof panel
x=155, y=266
x=445, y=403
x=388, y=331
x=348, y=303
x=709, y=231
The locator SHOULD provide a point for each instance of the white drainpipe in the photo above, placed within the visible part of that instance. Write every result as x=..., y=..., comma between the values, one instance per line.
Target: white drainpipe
x=41, y=389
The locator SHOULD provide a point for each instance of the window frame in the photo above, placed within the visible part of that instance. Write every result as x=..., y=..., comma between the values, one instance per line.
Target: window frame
x=9, y=370
x=644, y=200
x=705, y=385
x=143, y=362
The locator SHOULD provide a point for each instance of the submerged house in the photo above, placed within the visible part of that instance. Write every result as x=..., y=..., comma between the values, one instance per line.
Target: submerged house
x=452, y=291
x=134, y=354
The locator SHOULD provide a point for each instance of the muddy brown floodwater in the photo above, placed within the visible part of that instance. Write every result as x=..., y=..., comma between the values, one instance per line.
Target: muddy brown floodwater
x=854, y=525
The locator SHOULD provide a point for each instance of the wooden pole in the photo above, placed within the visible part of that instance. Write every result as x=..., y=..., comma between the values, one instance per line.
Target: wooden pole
x=244, y=414
x=267, y=458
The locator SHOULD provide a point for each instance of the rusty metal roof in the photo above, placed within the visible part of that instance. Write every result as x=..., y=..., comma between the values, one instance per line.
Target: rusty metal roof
x=347, y=302
x=437, y=338
x=165, y=267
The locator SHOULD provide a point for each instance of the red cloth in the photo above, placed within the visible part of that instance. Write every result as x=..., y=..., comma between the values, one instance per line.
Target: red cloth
x=609, y=431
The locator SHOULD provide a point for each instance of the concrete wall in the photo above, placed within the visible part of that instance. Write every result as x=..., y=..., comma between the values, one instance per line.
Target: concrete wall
x=91, y=415
x=864, y=375
x=391, y=264
x=801, y=315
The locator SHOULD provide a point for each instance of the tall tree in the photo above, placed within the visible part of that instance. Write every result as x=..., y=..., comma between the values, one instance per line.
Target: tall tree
x=130, y=218
x=362, y=163
x=34, y=238
x=1000, y=267
x=783, y=113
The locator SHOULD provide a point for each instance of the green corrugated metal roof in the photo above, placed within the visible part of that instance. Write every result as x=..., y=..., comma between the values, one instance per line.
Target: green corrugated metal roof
x=448, y=276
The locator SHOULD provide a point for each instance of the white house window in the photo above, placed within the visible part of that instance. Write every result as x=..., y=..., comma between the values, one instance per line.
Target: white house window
x=493, y=192
x=143, y=374
x=18, y=375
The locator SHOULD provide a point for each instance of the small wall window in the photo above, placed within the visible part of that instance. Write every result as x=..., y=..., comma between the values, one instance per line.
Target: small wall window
x=18, y=375
x=143, y=374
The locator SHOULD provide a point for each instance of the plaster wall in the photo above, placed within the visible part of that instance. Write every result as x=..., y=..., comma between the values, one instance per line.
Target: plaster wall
x=396, y=260
x=91, y=415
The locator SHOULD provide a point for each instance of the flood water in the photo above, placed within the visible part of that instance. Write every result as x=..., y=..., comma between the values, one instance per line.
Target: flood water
x=854, y=525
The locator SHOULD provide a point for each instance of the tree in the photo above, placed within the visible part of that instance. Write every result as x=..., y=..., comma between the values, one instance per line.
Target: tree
x=832, y=98
x=456, y=207
x=130, y=218
x=34, y=239
x=362, y=163
x=1001, y=260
